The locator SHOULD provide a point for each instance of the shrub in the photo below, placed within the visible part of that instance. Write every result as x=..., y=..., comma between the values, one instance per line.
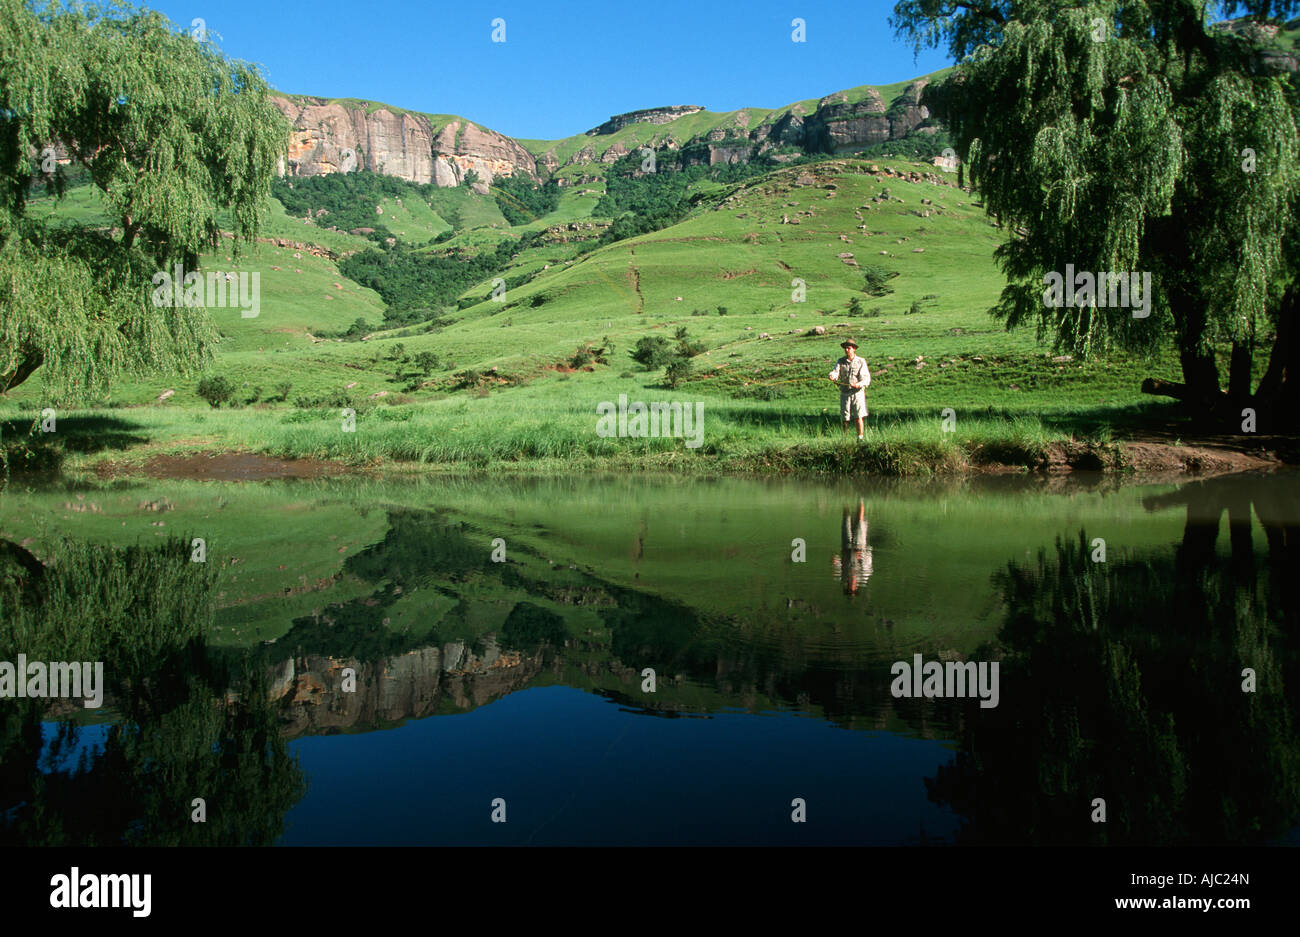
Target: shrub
x=686, y=347
x=216, y=390
x=678, y=370
x=333, y=399
x=425, y=362
x=652, y=352
x=855, y=306
x=282, y=389
x=876, y=278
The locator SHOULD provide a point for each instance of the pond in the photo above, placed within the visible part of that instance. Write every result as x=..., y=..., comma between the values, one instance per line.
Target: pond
x=653, y=660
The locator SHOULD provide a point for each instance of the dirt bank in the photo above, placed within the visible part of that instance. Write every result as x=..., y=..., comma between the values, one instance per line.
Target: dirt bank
x=223, y=466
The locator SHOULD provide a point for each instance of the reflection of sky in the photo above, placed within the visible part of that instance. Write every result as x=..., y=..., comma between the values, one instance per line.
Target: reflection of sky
x=87, y=740
x=577, y=769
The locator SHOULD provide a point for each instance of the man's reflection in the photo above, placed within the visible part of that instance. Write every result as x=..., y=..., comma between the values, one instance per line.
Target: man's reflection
x=853, y=565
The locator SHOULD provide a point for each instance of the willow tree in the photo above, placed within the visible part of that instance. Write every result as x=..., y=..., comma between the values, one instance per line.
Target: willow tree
x=172, y=133
x=1135, y=136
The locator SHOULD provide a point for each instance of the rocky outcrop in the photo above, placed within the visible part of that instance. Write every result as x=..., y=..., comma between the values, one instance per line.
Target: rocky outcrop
x=311, y=699
x=331, y=137
x=649, y=115
x=838, y=126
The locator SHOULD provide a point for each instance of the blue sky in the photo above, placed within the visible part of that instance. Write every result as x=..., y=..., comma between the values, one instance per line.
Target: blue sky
x=566, y=66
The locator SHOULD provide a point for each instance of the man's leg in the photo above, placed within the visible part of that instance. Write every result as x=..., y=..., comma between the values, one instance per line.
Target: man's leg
x=860, y=427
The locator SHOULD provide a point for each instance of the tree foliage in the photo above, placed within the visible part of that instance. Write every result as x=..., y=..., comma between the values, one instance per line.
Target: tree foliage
x=1112, y=136
x=172, y=132
x=521, y=200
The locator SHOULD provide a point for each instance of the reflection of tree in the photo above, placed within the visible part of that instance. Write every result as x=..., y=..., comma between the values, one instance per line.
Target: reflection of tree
x=1123, y=680
x=143, y=612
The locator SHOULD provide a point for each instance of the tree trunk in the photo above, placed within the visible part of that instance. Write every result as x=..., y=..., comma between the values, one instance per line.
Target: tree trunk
x=1243, y=358
x=32, y=359
x=1278, y=395
x=1200, y=389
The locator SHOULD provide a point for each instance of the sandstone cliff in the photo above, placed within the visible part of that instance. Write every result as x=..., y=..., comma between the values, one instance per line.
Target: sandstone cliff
x=423, y=148
x=397, y=143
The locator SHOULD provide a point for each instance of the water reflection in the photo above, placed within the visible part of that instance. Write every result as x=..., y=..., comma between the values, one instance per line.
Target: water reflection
x=853, y=565
x=1162, y=682
x=1120, y=679
x=185, y=727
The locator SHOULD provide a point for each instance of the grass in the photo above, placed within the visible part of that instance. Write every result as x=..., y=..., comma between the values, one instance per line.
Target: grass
x=768, y=407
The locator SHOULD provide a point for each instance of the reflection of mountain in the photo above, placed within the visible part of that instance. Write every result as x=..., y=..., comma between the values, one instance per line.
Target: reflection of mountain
x=1119, y=680
x=489, y=629
x=310, y=694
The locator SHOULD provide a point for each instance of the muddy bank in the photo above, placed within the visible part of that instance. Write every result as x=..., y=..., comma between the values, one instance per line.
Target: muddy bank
x=223, y=466
x=1201, y=457
x=1148, y=457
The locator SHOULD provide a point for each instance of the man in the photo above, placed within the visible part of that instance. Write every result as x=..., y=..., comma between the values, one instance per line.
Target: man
x=852, y=375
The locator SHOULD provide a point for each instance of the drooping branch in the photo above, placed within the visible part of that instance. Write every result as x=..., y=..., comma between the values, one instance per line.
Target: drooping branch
x=32, y=360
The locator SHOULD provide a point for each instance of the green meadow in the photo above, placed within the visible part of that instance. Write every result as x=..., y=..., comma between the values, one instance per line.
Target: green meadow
x=766, y=275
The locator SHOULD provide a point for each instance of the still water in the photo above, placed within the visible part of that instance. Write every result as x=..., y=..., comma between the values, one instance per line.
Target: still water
x=655, y=661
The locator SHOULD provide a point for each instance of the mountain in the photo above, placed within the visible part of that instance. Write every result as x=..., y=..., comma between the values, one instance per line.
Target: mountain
x=421, y=148
x=443, y=148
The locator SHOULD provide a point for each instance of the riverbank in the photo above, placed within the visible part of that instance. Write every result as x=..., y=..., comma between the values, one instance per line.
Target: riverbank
x=251, y=446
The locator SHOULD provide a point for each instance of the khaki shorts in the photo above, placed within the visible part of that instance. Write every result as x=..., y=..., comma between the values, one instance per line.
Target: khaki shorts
x=853, y=406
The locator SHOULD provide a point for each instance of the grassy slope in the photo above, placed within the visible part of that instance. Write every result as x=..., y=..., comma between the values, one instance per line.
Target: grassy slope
x=739, y=256
x=691, y=126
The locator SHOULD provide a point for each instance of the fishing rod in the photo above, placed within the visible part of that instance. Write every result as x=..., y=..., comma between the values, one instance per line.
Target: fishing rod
x=844, y=385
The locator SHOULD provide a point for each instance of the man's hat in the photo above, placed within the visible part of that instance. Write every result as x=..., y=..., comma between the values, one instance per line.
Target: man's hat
x=847, y=342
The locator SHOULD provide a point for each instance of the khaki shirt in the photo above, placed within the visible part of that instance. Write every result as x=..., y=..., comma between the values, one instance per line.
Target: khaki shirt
x=854, y=372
